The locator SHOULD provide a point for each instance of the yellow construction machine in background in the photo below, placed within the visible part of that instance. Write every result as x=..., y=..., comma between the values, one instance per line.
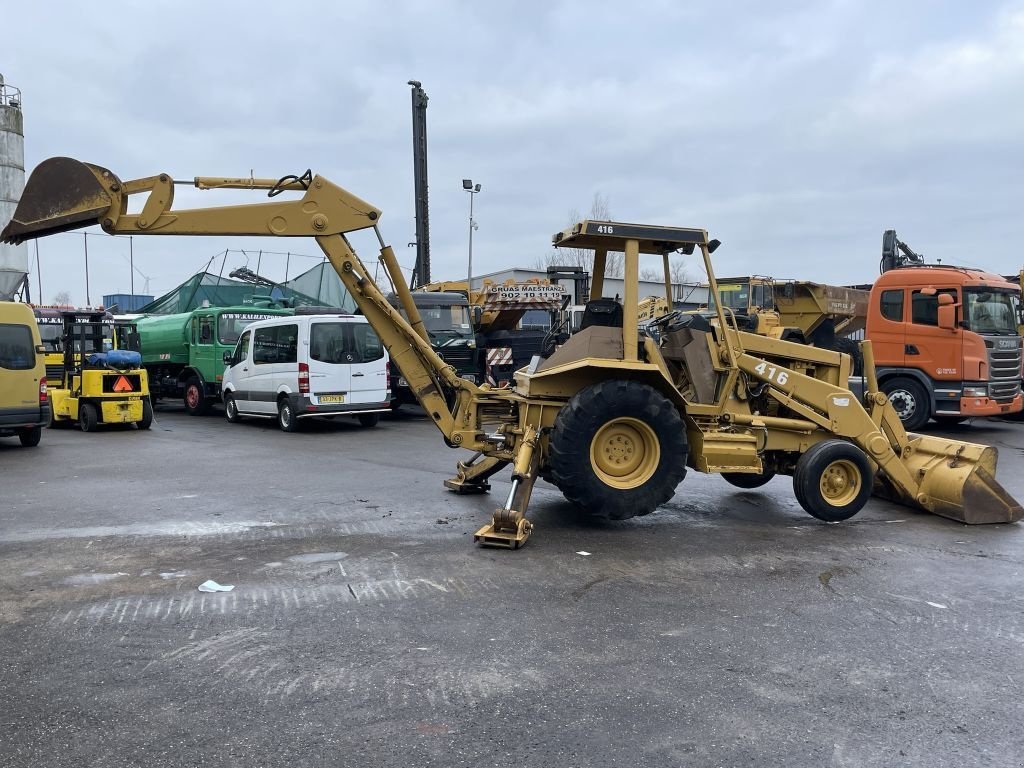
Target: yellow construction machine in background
x=612, y=418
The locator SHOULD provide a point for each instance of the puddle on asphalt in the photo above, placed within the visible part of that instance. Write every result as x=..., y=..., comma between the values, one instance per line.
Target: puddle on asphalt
x=84, y=579
x=316, y=557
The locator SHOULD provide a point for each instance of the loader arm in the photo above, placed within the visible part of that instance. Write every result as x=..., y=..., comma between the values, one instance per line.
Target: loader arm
x=64, y=194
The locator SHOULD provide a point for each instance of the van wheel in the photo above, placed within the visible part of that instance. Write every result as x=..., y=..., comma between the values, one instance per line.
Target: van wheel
x=369, y=419
x=286, y=419
x=231, y=408
x=87, y=417
x=147, y=415
x=195, y=398
x=910, y=401
x=30, y=437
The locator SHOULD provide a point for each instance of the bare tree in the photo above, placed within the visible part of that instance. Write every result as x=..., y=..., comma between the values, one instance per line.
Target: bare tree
x=63, y=297
x=580, y=257
x=677, y=269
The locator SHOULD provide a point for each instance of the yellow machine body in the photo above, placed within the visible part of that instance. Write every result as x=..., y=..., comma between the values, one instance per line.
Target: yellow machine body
x=613, y=417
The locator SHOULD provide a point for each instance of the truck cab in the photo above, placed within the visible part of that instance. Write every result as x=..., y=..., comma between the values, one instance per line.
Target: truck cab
x=946, y=343
x=449, y=324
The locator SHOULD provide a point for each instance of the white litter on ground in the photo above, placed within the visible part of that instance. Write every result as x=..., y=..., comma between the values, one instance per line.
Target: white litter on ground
x=212, y=586
x=585, y=554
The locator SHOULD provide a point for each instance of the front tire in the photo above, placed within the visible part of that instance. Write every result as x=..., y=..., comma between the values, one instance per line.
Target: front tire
x=618, y=449
x=286, y=418
x=195, y=398
x=30, y=437
x=88, y=417
x=910, y=401
x=833, y=480
x=231, y=409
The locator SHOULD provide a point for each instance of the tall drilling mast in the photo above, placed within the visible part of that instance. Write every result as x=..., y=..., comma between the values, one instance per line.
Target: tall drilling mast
x=421, y=272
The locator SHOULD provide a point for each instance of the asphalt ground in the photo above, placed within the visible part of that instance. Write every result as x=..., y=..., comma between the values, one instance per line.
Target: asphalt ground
x=366, y=629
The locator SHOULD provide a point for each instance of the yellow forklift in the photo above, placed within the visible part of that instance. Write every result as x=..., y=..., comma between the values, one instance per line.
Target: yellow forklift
x=98, y=385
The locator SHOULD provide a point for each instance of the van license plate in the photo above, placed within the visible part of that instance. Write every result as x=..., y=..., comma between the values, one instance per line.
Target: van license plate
x=324, y=399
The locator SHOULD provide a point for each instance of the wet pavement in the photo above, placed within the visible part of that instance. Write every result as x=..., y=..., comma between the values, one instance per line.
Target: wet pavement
x=365, y=628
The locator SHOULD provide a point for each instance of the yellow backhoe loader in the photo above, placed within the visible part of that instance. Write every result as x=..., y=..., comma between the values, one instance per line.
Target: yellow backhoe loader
x=611, y=418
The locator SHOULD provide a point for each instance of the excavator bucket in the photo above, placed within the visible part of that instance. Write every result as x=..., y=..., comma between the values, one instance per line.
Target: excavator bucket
x=61, y=194
x=958, y=481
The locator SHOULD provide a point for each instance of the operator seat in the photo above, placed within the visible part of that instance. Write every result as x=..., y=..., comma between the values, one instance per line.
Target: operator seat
x=605, y=312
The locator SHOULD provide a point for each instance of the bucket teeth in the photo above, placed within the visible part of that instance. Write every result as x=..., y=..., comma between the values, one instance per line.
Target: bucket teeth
x=61, y=194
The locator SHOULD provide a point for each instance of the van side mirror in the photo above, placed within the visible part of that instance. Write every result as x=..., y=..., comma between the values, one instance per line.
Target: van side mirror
x=947, y=312
x=229, y=359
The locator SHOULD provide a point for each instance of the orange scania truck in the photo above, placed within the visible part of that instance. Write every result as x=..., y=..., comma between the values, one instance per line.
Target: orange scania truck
x=945, y=338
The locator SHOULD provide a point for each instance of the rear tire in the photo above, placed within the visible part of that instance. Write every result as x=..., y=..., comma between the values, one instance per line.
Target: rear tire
x=88, y=417
x=747, y=480
x=618, y=449
x=231, y=409
x=195, y=398
x=286, y=419
x=833, y=480
x=369, y=419
x=147, y=415
x=30, y=437
x=910, y=401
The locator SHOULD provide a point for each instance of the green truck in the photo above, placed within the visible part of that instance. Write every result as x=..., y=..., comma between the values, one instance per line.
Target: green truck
x=184, y=353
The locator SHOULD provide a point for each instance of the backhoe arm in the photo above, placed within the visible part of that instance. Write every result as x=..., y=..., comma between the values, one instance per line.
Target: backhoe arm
x=64, y=194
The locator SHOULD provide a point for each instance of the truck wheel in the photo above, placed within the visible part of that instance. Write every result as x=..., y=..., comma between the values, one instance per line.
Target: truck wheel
x=87, y=417
x=910, y=401
x=746, y=479
x=369, y=419
x=833, y=480
x=195, y=398
x=618, y=449
x=286, y=416
x=30, y=437
x=231, y=409
x=147, y=414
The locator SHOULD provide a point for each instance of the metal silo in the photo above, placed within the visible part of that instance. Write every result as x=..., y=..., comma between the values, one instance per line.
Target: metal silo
x=13, y=258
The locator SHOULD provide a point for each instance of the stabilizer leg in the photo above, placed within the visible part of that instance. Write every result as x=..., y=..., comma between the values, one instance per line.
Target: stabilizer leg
x=509, y=528
x=473, y=474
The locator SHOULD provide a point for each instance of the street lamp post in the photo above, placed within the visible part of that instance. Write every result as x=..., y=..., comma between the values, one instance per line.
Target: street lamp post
x=473, y=189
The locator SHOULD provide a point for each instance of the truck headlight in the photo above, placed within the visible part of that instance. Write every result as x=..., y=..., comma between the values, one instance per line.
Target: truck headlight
x=470, y=378
x=981, y=391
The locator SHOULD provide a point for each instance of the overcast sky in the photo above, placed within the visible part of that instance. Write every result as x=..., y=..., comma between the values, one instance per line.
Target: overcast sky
x=795, y=132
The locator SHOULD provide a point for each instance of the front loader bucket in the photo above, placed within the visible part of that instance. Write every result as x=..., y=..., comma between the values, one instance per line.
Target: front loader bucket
x=61, y=194
x=958, y=480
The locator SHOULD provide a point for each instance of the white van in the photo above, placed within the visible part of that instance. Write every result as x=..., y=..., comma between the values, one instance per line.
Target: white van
x=290, y=368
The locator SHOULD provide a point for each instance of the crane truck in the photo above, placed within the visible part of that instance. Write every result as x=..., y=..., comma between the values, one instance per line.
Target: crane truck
x=613, y=419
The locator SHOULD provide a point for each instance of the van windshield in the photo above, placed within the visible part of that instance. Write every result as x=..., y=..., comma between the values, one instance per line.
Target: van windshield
x=344, y=343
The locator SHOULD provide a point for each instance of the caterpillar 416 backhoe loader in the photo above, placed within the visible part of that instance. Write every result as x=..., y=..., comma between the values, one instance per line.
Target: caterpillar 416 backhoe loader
x=612, y=418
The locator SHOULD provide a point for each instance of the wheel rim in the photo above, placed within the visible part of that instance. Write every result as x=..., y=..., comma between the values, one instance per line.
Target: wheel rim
x=286, y=415
x=903, y=402
x=192, y=396
x=840, y=483
x=625, y=453
x=231, y=407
